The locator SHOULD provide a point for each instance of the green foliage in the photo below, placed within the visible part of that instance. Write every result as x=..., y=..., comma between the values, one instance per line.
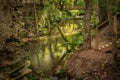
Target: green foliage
x=75, y=12
x=94, y=19
x=48, y=17
x=75, y=41
x=68, y=2
x=116, y=9
x=81, y=3
x=34, y=76
x=31, y=77
x=95, y=3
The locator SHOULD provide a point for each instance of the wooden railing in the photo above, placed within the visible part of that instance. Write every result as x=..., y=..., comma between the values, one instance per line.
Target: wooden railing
x=104, y=24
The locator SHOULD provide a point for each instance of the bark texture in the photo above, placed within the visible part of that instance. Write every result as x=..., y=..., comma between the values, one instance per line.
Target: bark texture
x=87, y=27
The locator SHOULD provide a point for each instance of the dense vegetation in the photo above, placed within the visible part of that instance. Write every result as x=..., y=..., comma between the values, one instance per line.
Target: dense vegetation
x=57, y=39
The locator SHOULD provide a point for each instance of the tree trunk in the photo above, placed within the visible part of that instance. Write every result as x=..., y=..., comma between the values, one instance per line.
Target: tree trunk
x=87, y=18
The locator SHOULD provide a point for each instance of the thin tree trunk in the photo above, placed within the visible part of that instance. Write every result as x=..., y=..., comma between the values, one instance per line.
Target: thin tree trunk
x=36, y=19
x=87, y=18
x=65, y=39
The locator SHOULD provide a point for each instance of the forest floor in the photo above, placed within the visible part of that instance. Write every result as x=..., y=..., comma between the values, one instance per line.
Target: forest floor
x=93, y=65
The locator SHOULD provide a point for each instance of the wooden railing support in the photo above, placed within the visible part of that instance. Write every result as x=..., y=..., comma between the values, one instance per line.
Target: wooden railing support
x=96, y=38
x=115, y=23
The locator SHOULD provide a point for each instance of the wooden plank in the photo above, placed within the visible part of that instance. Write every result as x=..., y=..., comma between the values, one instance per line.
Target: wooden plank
x=23, y=72
x=106, y=22
x=17, y=69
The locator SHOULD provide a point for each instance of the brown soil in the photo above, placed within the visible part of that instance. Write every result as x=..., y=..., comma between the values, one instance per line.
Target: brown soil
x=91, y=65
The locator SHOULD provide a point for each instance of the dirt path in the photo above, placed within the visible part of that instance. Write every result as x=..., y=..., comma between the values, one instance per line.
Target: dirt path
x=91, y=65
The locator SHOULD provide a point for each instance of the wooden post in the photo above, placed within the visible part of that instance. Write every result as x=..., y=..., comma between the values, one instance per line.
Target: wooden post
x=115, y=23
x=96, y=39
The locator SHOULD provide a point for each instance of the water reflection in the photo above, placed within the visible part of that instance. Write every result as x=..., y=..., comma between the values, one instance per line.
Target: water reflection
x=49, y=54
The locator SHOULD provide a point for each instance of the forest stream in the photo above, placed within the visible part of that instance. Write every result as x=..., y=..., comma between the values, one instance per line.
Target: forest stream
x=59, y=40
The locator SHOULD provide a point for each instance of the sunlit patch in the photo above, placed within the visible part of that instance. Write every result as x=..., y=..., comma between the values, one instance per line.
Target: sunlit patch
x=107, y=45
x=103, y=47
x=99, y=48
x=110, y=43
x=117, y=41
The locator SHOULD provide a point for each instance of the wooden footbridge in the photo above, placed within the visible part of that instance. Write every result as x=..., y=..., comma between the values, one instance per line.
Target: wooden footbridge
x=103, y=37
